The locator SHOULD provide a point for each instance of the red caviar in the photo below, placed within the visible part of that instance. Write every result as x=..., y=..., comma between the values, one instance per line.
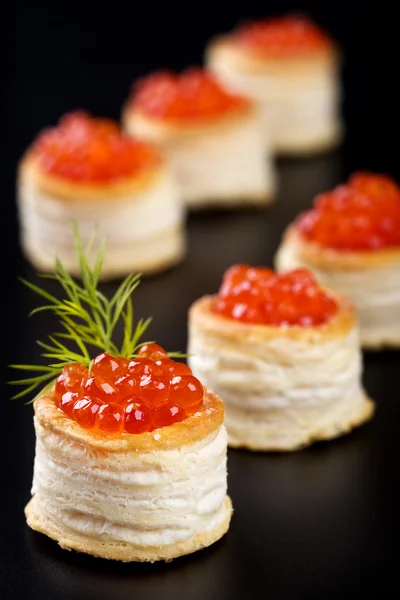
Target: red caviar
x=191, y=95
x=258, y=295
x=363, y=214
x=290, y=35
x=87, y=149
x=133, y=396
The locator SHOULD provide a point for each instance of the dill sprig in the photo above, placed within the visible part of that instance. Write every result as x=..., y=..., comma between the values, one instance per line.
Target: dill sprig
x=87, y=318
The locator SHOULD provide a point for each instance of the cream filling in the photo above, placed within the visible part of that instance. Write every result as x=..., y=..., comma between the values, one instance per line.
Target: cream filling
x=375, y=293
x=141, y=228
x=280, y=389
x=296, y=111
x=145, y=498
x=227, y=166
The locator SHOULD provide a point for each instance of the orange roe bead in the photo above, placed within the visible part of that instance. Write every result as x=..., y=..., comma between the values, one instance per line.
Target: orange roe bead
x=154, y=389
x=153, y=351
x=186, y=391
x=67, y=402
x=126, y=386
x=363, y=214
x=110, y=418
x=173, y=367
x=86, y=149
x=84, y=412
x=74, y=376
x=101, y=389
x=60, y=388
x=282, y=37
x=168, y=414
x=191, y=95
x=107, y=366
x=134, y=396
x=260, y=296
x=137, y=417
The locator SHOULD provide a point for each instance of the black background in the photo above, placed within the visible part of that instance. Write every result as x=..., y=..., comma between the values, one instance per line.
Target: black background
x=323, y=522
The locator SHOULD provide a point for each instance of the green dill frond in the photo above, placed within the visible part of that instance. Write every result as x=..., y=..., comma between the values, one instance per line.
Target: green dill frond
x=86, y=317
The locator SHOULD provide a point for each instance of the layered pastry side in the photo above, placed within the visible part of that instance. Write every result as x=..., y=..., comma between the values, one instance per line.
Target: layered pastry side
x=350, y=239
x=130, y=460
x=87, y=170
x=284, y=356
x=291, y=68
x=212, y=138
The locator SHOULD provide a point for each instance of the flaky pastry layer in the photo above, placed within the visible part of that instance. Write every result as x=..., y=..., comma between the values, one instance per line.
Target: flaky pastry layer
x=70, y=540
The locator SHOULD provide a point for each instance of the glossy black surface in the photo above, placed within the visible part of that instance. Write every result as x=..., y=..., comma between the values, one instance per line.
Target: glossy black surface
x=320, y=523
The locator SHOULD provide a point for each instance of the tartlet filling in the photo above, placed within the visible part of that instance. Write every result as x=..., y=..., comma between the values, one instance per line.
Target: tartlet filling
x=282, y=37
x=362, y=214
x=258, y=295
x=133, y=396
x=190, y=96
x=92, y=150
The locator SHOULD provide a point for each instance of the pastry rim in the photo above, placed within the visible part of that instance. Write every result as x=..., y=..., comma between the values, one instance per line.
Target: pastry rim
x=64, y=189
x=177, y=129
x=184, y=433
x=339, y=325
x=330, y=259
x=258, y=63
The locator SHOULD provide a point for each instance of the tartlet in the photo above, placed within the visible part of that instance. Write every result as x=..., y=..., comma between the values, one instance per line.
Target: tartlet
x=126, y=496
x=350, y=239
x=284, y=356
x=290, y=67
x=212, y=138
x=131, y=450
x=87, y=170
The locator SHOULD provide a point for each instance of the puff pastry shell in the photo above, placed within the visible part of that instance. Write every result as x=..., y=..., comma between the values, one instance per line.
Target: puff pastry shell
x=131, y=497
x=142, y=219
x=283, y=388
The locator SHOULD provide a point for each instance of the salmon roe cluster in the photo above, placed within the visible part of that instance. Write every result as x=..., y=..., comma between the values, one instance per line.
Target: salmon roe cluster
x=363, y=214
x=258, y=295
x=191, y=95
x=87, y=149
x=133, y=396
x=282, y=36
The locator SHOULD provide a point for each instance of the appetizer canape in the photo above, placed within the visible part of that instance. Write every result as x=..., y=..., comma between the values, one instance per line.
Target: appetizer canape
x=291, y=68
x=350, y=239
x=212, y=137
x=130, y=457
x=284, y=356
x=87, y=170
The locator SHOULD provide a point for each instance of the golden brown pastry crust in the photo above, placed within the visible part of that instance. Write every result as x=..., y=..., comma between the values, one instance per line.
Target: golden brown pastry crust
x=167, y=129
x=184, y=433
x=329, y=259
x=341, y=323
x=71, y=540
x=255, y=63
x=70, y=191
